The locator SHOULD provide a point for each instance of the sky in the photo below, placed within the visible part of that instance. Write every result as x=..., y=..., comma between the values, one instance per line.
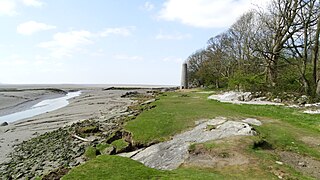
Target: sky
x=107, y=41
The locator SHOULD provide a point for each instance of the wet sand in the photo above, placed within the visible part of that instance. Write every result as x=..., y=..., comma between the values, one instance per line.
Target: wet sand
x=92, y=103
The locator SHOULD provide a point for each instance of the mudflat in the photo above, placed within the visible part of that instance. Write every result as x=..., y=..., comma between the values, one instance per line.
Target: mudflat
x=94, y=102
x=15, y=100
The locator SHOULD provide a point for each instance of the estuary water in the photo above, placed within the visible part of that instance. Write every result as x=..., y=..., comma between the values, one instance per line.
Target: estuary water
x=40, y=108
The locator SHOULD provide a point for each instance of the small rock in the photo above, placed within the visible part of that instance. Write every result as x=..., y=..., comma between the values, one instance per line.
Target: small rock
x=129, y=94
x=277, y=100
x=245, y=97
x=4, y=124
x=303, y=100
x=20, y=175
x=279, y=162
x=262, y=99
x=74, y=163
x=302, y=164
x=148, y=102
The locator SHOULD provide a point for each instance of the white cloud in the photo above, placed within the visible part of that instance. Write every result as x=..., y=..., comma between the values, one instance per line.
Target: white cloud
x=207, y=13
x=122, y=31
x=174, y=36
x=127, y=57
x=34, y=3
x=148, y=6
x=66, y=44
x=31, y=27
x=7, y=7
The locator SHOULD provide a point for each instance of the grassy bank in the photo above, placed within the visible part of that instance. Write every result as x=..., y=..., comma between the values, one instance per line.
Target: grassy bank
x=283, y=128
x=114, y=167
x=176, y=112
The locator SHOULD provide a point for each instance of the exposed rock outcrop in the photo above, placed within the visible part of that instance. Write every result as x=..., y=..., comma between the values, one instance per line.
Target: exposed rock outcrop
x=171, y=154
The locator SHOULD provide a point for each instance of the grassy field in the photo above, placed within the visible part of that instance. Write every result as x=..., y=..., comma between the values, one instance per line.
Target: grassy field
x=285, y=129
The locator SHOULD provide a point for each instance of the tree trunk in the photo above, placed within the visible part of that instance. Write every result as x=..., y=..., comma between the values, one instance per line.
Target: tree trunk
x=316, y=56
x=217, y=84
x=318, y=88
x=306, y=86
x=272, y=70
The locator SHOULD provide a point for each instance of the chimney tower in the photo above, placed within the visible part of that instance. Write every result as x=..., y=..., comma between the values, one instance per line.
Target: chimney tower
x=184, y=77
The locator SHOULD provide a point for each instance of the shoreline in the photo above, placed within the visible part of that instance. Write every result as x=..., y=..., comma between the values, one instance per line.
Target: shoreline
x=92, y=103
x=19, y=100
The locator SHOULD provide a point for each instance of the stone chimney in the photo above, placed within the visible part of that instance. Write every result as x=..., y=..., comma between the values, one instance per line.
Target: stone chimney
x=184, y=77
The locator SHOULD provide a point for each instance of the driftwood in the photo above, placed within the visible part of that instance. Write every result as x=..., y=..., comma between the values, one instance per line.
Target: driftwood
x=80, y=138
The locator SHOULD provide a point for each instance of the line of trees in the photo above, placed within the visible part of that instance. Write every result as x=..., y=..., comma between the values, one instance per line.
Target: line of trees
x=274, y=49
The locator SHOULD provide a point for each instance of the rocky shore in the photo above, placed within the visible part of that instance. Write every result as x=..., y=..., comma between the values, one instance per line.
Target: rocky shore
x=58, y=140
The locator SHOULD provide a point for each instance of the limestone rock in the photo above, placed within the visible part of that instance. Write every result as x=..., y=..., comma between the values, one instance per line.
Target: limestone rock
x=246, y=96
x=303, y=100
x=252, y=121
x=277, y=100
x=171, y=154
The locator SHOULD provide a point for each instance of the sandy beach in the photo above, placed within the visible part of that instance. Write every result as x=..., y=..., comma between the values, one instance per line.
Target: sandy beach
x=94, y=102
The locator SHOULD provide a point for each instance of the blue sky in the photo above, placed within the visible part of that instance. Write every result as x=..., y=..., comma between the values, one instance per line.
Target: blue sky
x=107, y=41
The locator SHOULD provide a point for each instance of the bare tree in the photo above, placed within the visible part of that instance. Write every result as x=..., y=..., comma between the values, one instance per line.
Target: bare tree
x=281, y=25
x=280, y=44
x=316, y=52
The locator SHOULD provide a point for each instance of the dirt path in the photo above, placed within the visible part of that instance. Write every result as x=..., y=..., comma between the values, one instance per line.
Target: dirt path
x=306, y=165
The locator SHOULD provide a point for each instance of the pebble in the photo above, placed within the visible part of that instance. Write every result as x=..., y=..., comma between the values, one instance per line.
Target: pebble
x=279, y=162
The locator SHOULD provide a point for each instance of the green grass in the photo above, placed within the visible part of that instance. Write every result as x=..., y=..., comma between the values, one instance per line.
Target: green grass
x=91, y=152
x=176, y=112
x=119, y=144
x=102, y=146
x=172, y=115
x=115, y=167
x=210, y=145
x=106, y=167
